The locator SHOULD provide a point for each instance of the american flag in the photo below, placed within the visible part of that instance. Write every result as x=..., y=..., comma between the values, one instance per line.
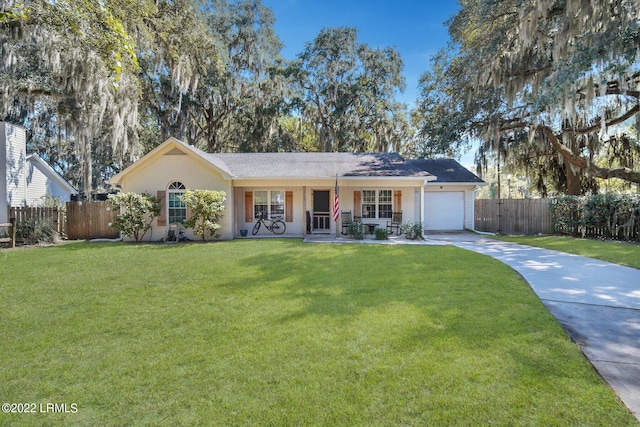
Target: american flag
x=336, y=203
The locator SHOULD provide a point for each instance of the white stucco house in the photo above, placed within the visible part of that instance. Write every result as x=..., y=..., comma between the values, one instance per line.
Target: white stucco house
x=27, y=179
x=300, y=188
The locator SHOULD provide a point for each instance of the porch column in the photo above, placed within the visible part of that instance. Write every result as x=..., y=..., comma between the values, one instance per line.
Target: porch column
x=422, y=210
x=304, y=210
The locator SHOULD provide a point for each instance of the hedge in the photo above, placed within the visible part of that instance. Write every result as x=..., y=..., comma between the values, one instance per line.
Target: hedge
x=608, y=216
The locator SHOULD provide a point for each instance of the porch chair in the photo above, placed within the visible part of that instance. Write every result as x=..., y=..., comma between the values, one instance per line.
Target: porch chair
x=345, y=217
x=174, y=233
x=395, y=223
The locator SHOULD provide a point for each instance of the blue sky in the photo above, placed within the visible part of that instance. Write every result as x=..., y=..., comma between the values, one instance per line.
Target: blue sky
x=414, y=27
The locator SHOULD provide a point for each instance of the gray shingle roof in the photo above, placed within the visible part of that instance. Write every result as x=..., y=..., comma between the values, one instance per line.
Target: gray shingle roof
x=317, y=165
x=328, y=165
x=446, y=170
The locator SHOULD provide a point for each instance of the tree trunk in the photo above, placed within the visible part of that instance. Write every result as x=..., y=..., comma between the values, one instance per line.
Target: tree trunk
x=574, y=182
x=211, y=143
x=87, y=167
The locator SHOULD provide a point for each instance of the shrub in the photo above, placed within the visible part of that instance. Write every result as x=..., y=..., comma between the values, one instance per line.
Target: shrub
x=137, y=211
x=206, y=208
x=412, y=230
x=566, y=214
x=36, y=230
x=601, y=215
x=356, y=230
x=382, y=234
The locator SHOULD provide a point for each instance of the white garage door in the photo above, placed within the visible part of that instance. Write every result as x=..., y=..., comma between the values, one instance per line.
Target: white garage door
x=444, y=210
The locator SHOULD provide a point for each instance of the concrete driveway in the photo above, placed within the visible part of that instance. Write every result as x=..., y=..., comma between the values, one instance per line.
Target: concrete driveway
x=597, y=303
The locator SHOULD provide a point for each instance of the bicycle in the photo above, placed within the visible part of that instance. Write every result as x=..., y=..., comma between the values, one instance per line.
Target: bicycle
x=276, y=225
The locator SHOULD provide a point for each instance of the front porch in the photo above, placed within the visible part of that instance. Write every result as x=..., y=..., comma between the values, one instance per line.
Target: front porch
x=307, y=208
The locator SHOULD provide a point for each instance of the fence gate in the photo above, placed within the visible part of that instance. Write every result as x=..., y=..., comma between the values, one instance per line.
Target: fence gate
x=90, y=220
x=513, y=216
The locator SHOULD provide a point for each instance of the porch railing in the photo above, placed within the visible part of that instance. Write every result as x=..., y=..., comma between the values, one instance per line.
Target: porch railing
x=321, y=221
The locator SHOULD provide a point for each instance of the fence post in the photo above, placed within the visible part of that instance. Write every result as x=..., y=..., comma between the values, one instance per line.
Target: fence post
x=12, y=232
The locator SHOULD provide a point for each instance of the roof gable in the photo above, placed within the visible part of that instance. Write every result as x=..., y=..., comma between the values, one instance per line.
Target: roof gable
x=50, y=172
x=172, y=147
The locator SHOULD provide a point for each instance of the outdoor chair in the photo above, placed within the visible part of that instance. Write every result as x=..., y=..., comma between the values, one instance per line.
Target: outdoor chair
x=395, y=223
x=345, y=217
x=174, y=233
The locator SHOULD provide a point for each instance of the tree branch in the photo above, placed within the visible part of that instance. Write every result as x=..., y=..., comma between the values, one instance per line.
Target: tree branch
x=590, y=168
x=612, y=122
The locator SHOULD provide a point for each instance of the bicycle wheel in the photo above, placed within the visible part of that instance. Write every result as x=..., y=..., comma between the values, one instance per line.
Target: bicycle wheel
x=256, y=228
x=278, y=227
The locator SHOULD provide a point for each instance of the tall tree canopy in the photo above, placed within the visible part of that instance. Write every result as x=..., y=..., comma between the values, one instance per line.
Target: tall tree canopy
x=71, y=73
x=99, y=83
x=236, y=98
x=544, y=83
x=347, y=91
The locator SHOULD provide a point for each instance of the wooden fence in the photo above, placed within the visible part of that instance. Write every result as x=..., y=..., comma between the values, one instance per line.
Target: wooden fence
x=10, y=233
x=90, y=220
x=513, y=216
x=25, y=214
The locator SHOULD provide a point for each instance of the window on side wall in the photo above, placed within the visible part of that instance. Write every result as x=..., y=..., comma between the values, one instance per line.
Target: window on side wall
x=177, y=208
x=269, y=203
x=377, y=204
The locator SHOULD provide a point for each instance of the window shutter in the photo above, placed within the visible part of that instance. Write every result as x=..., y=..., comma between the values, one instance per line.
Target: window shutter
x=357, y=204
x=162, y=218
x=248, y=206
x=288, y=206
x=397, y=200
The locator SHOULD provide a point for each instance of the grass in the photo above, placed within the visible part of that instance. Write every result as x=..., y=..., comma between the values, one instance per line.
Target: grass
x=277, y=332
x=616, y=252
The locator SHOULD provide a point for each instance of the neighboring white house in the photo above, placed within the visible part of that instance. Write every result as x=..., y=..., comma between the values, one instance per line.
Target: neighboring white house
x=27, y=179
x=43, y=181
x=300, y=188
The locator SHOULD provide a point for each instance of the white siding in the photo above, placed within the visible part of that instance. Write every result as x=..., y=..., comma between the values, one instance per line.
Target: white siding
x=13, y=153
x=41, y=183
x=469, y=212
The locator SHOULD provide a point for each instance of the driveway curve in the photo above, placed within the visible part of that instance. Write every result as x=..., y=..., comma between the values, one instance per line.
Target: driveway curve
x=597, y=303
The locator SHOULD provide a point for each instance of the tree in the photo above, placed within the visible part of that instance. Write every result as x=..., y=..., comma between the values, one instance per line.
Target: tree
x=541, y=82
x=206, y=207
x=71, y=72
x=137, y=211
x=347, y=91
x=179, y=56
x=238, y=97
x=77, y=60
x=295, y=134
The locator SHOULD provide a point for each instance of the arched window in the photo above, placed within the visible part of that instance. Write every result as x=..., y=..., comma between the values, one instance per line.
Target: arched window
x=177, y=208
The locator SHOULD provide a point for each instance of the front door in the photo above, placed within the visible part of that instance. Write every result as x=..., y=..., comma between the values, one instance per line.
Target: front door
x=321, y=211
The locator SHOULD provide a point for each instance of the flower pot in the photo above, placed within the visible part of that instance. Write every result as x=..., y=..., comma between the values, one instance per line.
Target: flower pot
x=244, y=233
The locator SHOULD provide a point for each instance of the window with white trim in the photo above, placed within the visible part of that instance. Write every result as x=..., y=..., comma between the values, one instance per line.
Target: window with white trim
x=175, y=205
x=269, y=203
x=377, y=204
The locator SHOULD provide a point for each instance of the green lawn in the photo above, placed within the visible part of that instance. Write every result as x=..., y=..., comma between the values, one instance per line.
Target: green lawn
x=617, y=252
x=278, y=332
